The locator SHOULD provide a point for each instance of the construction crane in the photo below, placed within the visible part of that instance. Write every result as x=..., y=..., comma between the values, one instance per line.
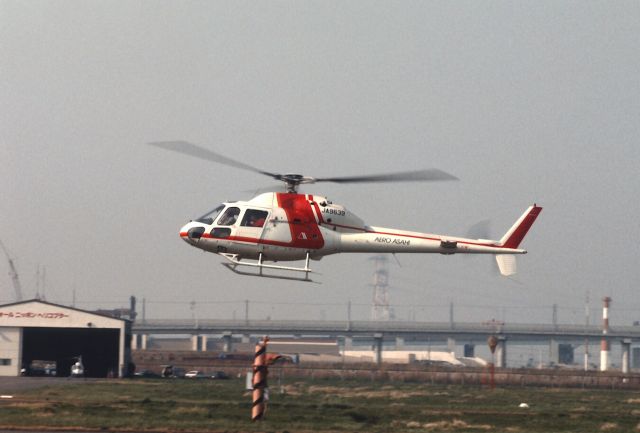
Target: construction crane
x=13, y=274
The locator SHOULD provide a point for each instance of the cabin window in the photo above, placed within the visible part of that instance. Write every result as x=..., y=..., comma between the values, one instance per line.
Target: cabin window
x=220, y=233
x=229, y=217
x=254, y=218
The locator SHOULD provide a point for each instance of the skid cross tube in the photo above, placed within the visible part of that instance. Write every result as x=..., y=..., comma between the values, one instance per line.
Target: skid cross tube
x=236, y=262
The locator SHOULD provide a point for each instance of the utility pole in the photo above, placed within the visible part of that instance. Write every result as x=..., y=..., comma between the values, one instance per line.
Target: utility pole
x=44, y=283
x=451, y=324
x=40, y=283
x=194, y=313
x=132, y=308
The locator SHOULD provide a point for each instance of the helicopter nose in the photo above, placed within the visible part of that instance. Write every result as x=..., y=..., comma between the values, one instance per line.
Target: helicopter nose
x=190, y=233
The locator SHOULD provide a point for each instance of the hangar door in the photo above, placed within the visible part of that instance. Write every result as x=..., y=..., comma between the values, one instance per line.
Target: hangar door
x=98, y=348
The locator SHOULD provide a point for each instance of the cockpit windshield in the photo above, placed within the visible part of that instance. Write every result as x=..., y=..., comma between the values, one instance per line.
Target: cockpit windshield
x=211, y=216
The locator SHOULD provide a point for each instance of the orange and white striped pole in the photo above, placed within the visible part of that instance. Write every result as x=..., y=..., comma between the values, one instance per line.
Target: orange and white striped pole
x=259, y=380
x=492, y=341
x=605, y=344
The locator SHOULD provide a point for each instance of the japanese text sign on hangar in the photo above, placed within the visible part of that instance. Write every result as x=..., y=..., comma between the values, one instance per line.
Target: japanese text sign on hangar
x=36, y=313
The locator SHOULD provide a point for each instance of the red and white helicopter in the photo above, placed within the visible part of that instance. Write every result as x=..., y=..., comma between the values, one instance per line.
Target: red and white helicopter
x=288, y=226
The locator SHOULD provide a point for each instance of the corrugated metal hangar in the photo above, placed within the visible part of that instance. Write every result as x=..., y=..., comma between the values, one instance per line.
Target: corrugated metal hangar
x=41, y=332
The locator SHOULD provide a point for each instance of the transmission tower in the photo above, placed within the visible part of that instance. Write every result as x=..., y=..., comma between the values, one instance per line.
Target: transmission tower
x=380, y=309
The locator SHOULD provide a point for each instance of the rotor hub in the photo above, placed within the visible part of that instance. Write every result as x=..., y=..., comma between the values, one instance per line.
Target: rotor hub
x=292, y=181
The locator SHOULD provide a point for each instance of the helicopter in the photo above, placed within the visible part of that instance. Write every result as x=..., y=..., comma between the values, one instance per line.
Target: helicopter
x=287, y=226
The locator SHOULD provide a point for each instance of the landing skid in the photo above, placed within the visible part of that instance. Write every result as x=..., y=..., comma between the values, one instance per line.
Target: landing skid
x=235, y=263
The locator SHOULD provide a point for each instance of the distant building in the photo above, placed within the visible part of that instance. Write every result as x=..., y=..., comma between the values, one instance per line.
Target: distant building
x=36, y=332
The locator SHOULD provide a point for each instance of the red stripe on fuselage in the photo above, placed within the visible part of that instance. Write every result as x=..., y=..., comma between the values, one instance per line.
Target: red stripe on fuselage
x=249, y=240
x=305, y=232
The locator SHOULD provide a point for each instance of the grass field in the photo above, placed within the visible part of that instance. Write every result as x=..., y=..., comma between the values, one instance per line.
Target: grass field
x=331, y=405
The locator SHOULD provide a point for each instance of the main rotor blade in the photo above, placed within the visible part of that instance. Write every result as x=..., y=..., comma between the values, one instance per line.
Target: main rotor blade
x=429, y=175
x=200, y=152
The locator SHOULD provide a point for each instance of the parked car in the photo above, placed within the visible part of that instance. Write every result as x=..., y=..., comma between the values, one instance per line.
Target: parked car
x=169, y=371
x=219, y=375
x=195, y=374
x=146, y=374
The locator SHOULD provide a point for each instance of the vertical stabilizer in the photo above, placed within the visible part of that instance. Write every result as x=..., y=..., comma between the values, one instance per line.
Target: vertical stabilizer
x=517, y=232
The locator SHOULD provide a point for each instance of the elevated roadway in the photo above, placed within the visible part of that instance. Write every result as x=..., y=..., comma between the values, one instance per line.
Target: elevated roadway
x=380, y=333
x=407, y=330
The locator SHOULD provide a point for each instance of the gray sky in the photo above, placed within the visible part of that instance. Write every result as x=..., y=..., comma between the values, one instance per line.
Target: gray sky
x=524, y=101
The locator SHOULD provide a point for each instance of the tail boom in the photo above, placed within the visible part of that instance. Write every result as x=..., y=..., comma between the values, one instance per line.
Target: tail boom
x=386, y=240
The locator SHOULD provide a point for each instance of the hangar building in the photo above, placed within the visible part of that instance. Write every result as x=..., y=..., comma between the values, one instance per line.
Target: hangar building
x=35, y=330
